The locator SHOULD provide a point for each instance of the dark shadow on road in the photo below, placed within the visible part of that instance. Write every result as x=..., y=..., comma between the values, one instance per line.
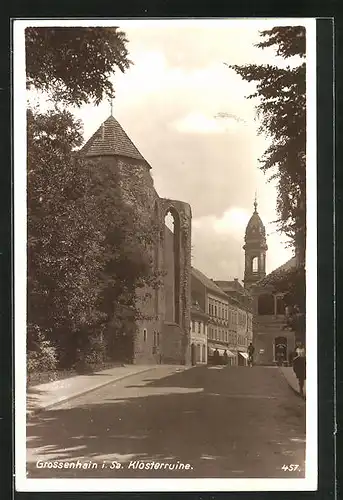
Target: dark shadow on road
x=32, y=395
x=219, y=430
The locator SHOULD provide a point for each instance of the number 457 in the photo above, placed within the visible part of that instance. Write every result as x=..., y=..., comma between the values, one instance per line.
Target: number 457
x=290, y=468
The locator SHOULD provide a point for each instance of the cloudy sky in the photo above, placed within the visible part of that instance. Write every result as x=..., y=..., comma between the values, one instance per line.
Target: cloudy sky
x=171, y=103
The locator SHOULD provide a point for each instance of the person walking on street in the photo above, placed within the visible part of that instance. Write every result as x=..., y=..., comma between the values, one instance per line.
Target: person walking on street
x=226, y=357
x=251, y=350
x=299, y=368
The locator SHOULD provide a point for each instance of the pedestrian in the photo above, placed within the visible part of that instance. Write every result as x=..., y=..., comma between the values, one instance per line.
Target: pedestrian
x=299, y=368
x=251, y=350
x=216, y=357
x=226, y=357
x=300, y=349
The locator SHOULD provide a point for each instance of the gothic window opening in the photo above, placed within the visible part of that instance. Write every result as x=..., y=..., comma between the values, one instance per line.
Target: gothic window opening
x=156, y=255
x=172, y=263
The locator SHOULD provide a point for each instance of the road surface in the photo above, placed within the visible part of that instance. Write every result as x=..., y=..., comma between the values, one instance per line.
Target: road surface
x=229, y=422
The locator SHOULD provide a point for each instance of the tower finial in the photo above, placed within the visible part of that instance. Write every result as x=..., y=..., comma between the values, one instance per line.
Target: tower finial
x=255, y=202
x=110, y=99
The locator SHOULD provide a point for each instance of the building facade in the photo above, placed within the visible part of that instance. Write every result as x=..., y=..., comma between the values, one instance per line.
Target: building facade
x=199, y=324
x=230, y=323
x=163, y=333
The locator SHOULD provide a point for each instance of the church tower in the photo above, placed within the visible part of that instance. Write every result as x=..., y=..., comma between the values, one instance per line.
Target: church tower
x=255, y=249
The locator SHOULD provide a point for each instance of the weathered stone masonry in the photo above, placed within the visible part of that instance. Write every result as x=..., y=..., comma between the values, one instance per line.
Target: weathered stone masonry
x=164, y=334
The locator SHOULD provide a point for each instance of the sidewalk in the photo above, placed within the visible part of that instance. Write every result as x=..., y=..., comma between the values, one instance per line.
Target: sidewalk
x=291, y=379
x=44, y=396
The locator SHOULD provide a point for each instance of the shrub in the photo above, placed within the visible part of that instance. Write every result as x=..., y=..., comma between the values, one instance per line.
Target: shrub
x=43, y=357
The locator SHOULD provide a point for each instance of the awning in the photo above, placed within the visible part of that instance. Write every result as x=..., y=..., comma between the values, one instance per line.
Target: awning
x=244, y=354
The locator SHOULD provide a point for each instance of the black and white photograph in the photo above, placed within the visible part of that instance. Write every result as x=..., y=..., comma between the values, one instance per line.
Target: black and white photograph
x=165, y=257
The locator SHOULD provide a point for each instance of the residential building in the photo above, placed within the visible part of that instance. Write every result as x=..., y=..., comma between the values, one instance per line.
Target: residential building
x=223, y=316
x=243, y=301
x=199, y=325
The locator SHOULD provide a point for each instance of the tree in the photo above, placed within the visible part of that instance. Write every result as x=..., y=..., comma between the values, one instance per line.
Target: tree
x=88, y=251
x=74, y=65
x=282, y=111
x=87, y=248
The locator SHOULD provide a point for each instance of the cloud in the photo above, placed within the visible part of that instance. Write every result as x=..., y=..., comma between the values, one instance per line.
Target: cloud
x=196, y=122
x=187, y=114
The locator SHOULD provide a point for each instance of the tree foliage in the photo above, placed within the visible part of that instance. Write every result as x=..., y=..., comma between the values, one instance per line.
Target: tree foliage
x=74, y=65
x=88, y=250
x=282, y=113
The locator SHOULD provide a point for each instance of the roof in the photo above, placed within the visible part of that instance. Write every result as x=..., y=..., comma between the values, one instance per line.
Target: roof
x=231, y=285
x=207, y=282
x=284, y=268
x=196, y=310
x=111, y=139
x=255, y=223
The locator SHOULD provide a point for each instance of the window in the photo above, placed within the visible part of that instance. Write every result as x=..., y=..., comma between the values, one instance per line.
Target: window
x=215, y=310
x=199, y=327
x=172, y=242
x=144, y=334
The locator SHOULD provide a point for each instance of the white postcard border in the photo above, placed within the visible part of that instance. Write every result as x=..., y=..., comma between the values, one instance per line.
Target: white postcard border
x=309, y=483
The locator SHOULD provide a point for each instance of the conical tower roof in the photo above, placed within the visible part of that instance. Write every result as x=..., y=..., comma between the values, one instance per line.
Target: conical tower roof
x=111, y=140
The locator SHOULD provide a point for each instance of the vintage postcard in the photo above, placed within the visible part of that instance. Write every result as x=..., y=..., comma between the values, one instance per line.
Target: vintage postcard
x=165, y=254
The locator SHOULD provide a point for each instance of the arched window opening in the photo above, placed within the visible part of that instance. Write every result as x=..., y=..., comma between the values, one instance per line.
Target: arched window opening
x=254, y=264
x=169, y=222
x=280, y=349
x=156, y=255
x=172, y=265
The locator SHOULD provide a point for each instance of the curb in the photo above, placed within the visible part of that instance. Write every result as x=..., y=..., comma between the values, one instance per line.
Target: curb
x=33, y=412
x=293, y=389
